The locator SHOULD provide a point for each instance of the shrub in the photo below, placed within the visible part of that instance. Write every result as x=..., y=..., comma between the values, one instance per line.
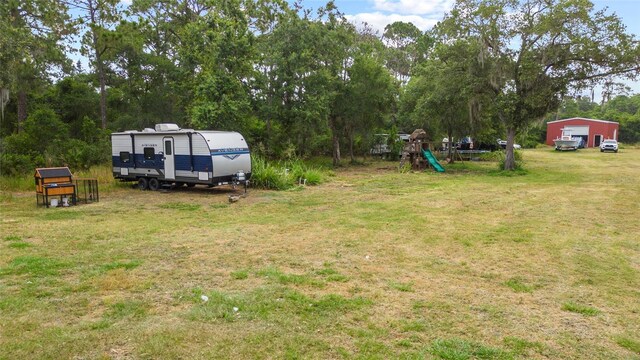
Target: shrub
x=16, y=164
x=492, y=156
x=283, y=175
x=46, y=141
x=500, y=156
x=301, y=172
x=44, y=127
x=267, y=176
x=80, y=155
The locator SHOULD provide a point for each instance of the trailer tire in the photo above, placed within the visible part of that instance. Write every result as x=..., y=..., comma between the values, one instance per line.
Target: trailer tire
x=143, y=184
x=154, y=184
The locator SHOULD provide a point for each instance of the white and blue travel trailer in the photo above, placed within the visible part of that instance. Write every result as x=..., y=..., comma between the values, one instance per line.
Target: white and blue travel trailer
x=168, y=155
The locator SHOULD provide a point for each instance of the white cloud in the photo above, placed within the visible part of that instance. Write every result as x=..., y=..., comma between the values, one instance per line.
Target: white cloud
x=414, y=7
x=378, y=20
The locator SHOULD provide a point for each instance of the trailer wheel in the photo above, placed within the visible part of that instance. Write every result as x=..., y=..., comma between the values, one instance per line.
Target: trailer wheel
x=143, y=184
x=154, y=184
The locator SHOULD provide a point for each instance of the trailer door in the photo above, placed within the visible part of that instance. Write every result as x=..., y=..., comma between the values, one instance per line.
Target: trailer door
x=169, y=160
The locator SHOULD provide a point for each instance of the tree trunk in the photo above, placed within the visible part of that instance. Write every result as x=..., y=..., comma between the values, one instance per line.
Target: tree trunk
x=336, y=141
x=510, y=159
x=103, y=92
x=336, y=150
x=22, y=94
x=99, y=68
x=449, y=146
x=267, y=73
x=351, y=146
x=22, y=109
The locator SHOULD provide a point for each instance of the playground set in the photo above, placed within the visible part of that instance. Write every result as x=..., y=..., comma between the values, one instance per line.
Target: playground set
x=416, y=152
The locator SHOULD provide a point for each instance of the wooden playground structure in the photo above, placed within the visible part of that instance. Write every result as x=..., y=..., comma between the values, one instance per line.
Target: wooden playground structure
x=417, y=153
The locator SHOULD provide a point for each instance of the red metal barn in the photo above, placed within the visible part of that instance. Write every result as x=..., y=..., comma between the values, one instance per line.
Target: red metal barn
x=591, y=130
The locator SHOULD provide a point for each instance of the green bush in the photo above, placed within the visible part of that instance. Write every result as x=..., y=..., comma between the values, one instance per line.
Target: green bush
x=46, y=141
x=16, y=164
x=267, y=176
x=80, y=155
x=500, y=156
x=43, y=127
x=283, y=175
x=302, y=173
x=630, y=131
x=492, y=156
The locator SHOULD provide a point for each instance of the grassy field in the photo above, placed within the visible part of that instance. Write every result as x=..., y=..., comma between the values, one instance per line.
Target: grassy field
x=372, y=264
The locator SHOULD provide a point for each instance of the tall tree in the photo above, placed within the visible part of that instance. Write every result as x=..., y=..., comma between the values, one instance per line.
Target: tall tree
x=160, y=73
x=446, y=91
x=337, y=41
x=407, y=46
x=31, y=34
x=369, y=98
x=269, y=19
x=222, y=45
x=536, y=50
x=304, y=62
x=98, y=17
x=401, y=38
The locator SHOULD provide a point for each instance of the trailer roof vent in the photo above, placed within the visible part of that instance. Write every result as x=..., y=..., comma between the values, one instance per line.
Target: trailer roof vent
x=167, y=127
x=147, y=130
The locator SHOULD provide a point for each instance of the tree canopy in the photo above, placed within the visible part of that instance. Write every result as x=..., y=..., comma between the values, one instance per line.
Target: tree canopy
x=298, y=81
x=536, y=51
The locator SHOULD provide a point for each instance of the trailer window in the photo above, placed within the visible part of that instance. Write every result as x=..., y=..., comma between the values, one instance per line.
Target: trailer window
x=149, y=153
x=167, y=147
x=125, y=157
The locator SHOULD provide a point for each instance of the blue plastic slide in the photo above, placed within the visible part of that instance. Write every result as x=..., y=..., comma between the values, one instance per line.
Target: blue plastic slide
x=432, y=160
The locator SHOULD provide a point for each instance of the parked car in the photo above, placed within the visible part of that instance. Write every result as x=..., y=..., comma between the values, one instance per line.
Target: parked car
x=466, y=143
x=381, y=144
x=380, y=147
x=446, y=143
x=609, y=145
x=503, y=144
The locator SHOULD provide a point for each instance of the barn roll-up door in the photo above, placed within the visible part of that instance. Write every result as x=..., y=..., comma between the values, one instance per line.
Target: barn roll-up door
x=578, y=130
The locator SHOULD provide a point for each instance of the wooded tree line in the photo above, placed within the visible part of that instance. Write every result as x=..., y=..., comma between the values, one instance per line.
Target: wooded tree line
x=294, y=81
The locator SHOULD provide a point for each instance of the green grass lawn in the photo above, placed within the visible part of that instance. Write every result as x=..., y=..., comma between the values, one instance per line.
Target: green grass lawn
x=374, y=264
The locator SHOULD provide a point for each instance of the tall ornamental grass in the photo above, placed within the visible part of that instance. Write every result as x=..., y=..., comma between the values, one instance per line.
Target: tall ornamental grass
x=283, y=175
